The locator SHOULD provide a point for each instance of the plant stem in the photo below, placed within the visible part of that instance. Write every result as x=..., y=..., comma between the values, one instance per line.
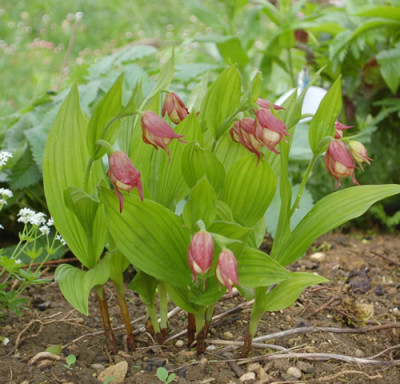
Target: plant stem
x=163, y=297
x=191, y=329
x=152, y=314
x=302, y=186
x=105, y=319
x=290, y=62
x=125, y=317
x=248, y=341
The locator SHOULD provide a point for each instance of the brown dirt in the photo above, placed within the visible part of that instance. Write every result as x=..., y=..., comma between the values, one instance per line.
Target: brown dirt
x=364, y=291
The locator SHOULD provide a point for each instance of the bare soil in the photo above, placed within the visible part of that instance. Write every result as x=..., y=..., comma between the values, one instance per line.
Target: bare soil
x=363, y=294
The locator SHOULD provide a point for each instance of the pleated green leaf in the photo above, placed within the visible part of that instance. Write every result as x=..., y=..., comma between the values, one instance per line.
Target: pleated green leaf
x=198, y=162
x=287, y=292
x=76, y=284
x=228, y=152
x=146, y=286
x=150, y=236
x=64, y=163
x=249, y=189
x=330, y=212
x=102, y=125
x=323, y=123
x=257, y=269
x=222, y=99
x=201, y=205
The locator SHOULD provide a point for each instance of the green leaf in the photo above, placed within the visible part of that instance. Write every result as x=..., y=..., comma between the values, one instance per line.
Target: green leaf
x=223, y=211
x=222, y=99
x=64, y=163
x=102, y=124
x=384, y=11
x=323, y=123
x=330, y=212
x=257, y=269
x=146, y=286
x=198, y=162
x=256, y=85
x=390, y=63
x=287, y=292
x=228, y=152
x=54, y=349
x=249, y=188
x=76, y=284
x=201, y=205
x=118, y=264
x=150, y=236
x=232, y=51
x=182, y=298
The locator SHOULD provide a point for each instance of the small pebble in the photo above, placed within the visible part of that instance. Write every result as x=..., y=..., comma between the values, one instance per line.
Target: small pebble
x=179, y=343
x=396, y=311
x=211, y=348
x=228, y=335
x=253, y=367
x=248, y=376
x=294, y=371
x=25, y=382
x=318, y=256
x=305, y=367
x=98, y=367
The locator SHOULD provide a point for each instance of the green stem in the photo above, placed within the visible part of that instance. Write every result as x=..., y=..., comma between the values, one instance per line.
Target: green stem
x=199, y=322
x=302, y=186
x=152, y=313
x=290, y=63
x=163, y=297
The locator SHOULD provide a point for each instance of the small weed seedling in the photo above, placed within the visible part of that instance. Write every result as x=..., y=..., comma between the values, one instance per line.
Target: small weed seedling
x=163, y=375
x=70, y=361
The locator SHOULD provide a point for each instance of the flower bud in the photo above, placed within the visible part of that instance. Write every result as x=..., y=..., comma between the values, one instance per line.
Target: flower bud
x=123, y=175
x=175, y=108
x=339, y=162
x=200, y=253
x=269, y=129
x=359, y=153
x=340, y=128
x=244, y=132
x=157, y=132
x=227, y=270
x=267, y=105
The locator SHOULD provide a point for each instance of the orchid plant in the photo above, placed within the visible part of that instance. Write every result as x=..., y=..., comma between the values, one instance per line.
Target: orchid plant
x=186, y=194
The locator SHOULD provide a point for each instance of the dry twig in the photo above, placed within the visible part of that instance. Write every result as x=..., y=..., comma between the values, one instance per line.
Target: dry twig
x=342, y=373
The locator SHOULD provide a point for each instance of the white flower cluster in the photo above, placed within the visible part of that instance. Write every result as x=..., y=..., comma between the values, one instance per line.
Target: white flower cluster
x=29, y=216
x=4, y=156
x=4, y=195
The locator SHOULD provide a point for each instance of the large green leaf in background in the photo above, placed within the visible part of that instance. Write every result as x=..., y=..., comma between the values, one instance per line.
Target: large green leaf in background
x=330, y=212
x=389, y=61
x=100, y=124
x=249, y=188
x=323, y=123
x=64, y=164
x=76, y=284
x=150, y=236
x=222, y=99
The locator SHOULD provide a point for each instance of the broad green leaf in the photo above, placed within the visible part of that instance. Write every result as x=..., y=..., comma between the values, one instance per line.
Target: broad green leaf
x=390, y=62
x=64, y=164
x=256, y=85
x=257, y=269
x=201, y=205
x=146, y=286
x=222, y=99
x=330, y=212
x=287, y=292
x=257, y=234
x=223, y=211
x=76, y=284
x=249, y=188
x=323, y=123
x=234, y=235
x=118, y=264
x=182, y=298
x=150, y=236
x=228, y=152
x=232, y=51
x=102, y=124
x=384, y=11
x=198, y=162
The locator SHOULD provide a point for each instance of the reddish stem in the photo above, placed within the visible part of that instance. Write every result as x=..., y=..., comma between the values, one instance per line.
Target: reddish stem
x=248, y=342
x=127, y=321
x=201, y=339
x=105, y=319
x=191, y=329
